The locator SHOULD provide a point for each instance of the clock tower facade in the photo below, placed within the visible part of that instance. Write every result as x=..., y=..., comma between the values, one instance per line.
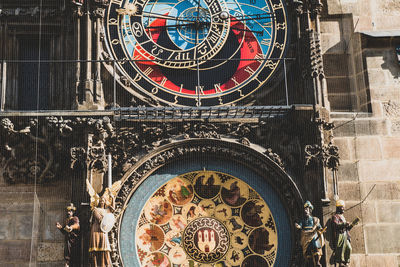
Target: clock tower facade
x=207, y=121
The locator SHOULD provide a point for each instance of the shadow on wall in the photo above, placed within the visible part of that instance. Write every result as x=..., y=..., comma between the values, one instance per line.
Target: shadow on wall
x=391, y=63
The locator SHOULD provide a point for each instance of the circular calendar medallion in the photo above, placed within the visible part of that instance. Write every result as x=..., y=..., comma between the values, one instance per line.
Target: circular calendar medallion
x=206, y=240
x=205, y=218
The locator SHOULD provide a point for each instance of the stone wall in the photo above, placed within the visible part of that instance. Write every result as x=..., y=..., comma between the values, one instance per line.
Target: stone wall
x=369, y=15
x=368, y=134
x=24, y=227
x=370, y=159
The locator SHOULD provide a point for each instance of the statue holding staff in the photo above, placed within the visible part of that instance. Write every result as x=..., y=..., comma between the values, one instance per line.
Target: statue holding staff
x=341, y=236
x=311, y=237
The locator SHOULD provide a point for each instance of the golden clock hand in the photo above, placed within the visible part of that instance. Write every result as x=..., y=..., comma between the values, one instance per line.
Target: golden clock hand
x=245, y=30
x=161, y=16
x=170, y=26
x=255, y=18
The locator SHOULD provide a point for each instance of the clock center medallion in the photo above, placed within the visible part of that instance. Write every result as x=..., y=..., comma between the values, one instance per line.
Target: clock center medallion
x=206, y=240
x=194, y=23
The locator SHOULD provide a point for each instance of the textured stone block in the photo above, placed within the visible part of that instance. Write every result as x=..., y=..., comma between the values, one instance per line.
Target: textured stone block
x=50, y=264
x=374, y=59
x=379, y=170
x=357, y=260
x=388, y=212
x=15, y=251
x=48, y=228
x=377, y=78
x=336, y=65
x=330, y=26
x=377, y=108
x=23, y=226
x=368, y=147
x=381, y=260
x=346, y=147
x=384, y=93
x=349, y=190
x=357, y=239
x=332, y=43
x=382, y=191
x=391, y=147
x=360, y=127
x=334, y=7
x=395, y=127
x=369, y=212
x=341, y=102
x=382, y=238
x=348, y=172
x=338, y=85
x=50, y=252
x=6, y=226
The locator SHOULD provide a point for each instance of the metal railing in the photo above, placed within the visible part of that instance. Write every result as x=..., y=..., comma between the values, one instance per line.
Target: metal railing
x=231, y=112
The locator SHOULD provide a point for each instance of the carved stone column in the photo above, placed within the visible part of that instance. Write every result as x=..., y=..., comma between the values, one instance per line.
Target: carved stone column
x=77, y=14
x=316, y=54
x=98, y=15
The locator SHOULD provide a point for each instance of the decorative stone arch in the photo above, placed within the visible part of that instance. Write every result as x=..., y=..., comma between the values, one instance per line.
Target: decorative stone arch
x=247, y=155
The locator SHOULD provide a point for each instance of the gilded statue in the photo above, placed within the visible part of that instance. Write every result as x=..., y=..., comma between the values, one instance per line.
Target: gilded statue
x=102, y=221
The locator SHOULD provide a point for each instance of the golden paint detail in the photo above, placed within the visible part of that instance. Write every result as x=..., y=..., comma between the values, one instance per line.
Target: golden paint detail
x=206, y=218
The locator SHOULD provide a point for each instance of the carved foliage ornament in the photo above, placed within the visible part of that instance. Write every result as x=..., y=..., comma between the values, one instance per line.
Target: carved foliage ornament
x=128, y=143
x=328, y=155
x=34, y=148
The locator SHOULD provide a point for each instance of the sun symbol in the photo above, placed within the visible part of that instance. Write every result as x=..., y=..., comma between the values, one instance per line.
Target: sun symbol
x=130, y=9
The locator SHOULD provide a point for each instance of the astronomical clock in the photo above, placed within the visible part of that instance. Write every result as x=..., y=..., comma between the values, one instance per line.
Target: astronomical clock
x=199, y=53
x=196, y=52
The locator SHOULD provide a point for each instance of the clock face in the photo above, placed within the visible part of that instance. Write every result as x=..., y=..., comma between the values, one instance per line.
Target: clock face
x=196, y=52
x=205, y=218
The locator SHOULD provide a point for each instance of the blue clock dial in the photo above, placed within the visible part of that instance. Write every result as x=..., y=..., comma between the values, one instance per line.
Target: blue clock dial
x=197, y=52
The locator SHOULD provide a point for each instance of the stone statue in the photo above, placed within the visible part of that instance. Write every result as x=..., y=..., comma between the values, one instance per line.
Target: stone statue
x=340, y=236
x=311, y=237
x=71, y=232
x=102, y=221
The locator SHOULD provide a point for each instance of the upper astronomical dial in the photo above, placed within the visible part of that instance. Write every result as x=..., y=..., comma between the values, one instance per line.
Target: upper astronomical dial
x=196, y=52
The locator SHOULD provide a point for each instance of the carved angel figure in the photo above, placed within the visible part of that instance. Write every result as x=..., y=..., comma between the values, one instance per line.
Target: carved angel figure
x=102, y=221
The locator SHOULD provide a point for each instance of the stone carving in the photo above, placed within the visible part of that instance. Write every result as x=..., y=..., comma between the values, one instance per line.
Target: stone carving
x=78, y=154
x=316, y=6
x=30, y=155
x=34, y=150
x=328, y=155
x=275, y=157
x=298, y=6
x=32, y=11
